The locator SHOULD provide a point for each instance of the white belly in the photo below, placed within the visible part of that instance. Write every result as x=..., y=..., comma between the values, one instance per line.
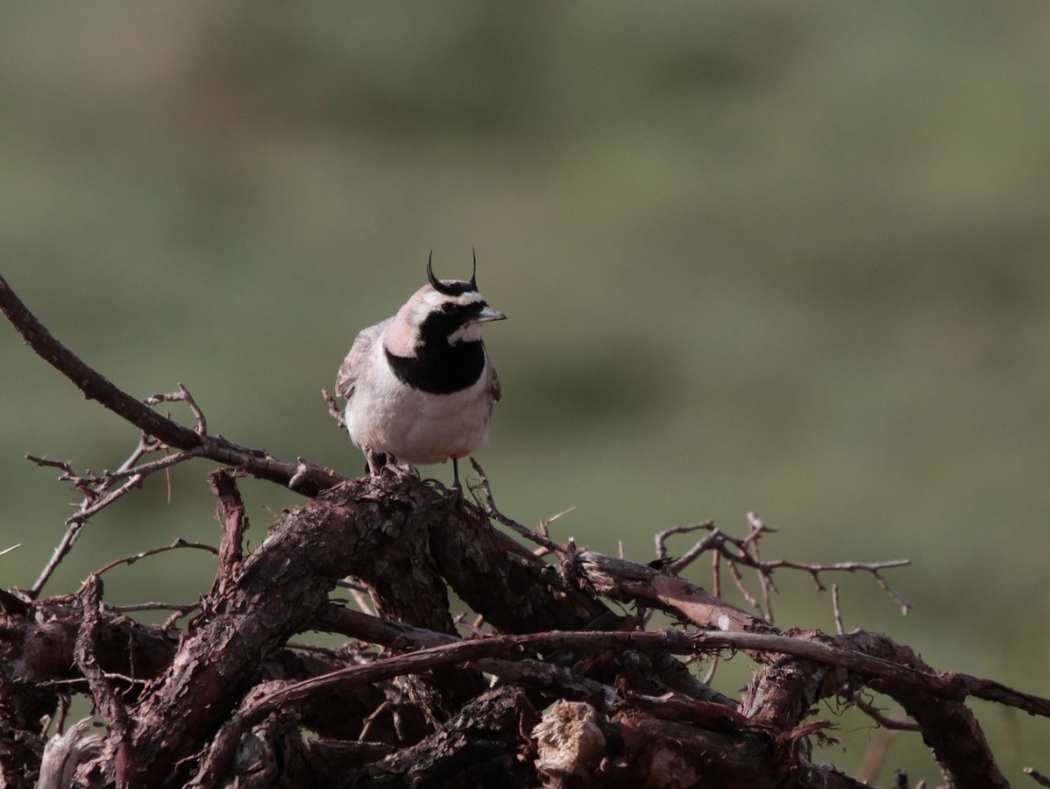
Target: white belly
x=416, y=427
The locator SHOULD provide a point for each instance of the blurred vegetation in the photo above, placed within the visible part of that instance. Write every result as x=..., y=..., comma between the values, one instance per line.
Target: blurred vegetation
x=781, y=257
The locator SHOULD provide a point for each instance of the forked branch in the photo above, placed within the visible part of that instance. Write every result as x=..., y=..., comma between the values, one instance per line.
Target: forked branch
x=402, y=700
x=97, y=387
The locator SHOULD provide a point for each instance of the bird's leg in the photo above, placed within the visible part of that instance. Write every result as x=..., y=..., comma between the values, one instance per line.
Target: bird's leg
x=405, y=471
x=375, y=461
x=387, y=462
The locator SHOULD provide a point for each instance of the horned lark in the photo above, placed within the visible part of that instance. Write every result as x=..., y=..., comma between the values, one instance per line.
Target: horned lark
x=419, y=386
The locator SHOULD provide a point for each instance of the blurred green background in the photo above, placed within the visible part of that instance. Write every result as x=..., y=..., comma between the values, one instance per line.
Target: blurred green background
x=780, y=257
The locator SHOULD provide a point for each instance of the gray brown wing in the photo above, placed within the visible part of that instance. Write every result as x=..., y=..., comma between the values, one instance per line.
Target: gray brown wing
x=494, y=387
x=360, y=351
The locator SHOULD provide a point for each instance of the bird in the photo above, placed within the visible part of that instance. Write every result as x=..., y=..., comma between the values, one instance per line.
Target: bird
x=419, y=386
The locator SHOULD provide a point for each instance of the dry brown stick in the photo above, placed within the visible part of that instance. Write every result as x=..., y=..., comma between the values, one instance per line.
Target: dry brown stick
x=1037, y=776
x=698, y=548
x=739, y=630
x=530, y=595
x=492, y=512
x=176, y=545
x=97, y=387
x=112, y=708
x=511, y=647
x=367, y=529
x=402, y=637
x=93, y=481
x=840, y=628
x=180, y=609
x=333, y=409
x=183, y=396
x=97, y=496
x=745, y=551
x=625, y=581
x=948, y=726
x=234, y=524
x=424, y=660
x=884, y=721
x=91, y=383
x=949, y=685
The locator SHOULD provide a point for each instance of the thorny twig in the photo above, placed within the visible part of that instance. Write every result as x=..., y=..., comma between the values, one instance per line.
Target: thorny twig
x=1037, y=776
x=491, y=511
x=839, y=627
x=456, y=651
x=737, y=552
x=182, y=610
x=884, y=721
x=183, y=396
x=178, y=543
x=100, y=491
x=333, y=409
x=498, y=655
x=96, y=386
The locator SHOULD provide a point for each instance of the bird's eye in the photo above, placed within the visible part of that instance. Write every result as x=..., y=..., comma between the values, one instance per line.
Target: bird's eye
x=448, y=307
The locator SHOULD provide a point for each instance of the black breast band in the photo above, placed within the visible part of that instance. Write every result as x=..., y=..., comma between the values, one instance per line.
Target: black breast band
x=442, y=370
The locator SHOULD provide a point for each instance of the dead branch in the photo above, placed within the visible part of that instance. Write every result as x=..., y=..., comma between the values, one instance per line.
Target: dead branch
x=739, y=552
x=183, y=396
x=97, y=387
x=234, y=524
x=178, y=544
x=110, y=705
x=1037, y=776
x=583, y=695
x=333, y=409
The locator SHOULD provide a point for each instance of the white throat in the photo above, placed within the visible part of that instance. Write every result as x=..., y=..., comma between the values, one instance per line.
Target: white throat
x=469, y=333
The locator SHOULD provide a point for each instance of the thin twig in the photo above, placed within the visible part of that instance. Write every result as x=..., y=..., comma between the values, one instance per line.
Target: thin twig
x=839, y=628
x=97, y=387
x=99, y=493
x=62, y=465
x=370, y=721
x=492, y=512
x=180, y=613
x=1037, y=776
x=546, y=523
x=885, y=722
x=746, y=552
x=183, y=396
x=952, y=686
x=181, y=609
x=333, y=409
x=178, y=543
x=662, y=537
x=143, y=470
x=904, y=605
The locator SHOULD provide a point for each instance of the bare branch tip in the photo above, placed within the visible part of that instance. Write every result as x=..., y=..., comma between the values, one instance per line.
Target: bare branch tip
x=1037, y=776
x=333, y=409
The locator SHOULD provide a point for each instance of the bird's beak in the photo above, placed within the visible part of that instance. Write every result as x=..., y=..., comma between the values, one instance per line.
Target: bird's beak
x=489, y=314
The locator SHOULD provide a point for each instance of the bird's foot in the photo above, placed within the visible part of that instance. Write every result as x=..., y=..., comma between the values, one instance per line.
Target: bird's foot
x=402, y=471
x=380, y=463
